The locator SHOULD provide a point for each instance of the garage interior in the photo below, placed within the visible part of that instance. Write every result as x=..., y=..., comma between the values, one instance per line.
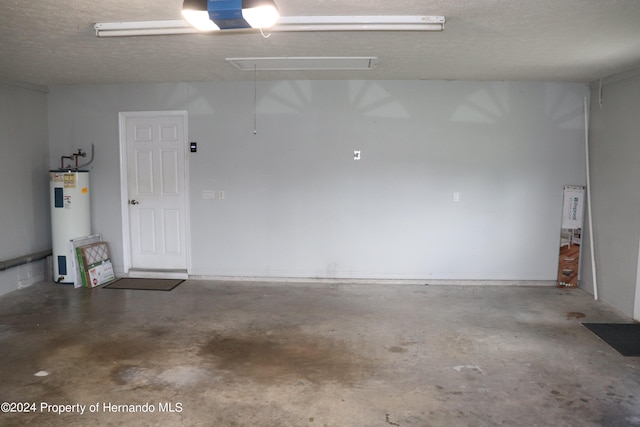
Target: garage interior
x=360, y=247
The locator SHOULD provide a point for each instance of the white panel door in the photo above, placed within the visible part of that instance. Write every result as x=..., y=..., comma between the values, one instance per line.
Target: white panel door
x=155, y=163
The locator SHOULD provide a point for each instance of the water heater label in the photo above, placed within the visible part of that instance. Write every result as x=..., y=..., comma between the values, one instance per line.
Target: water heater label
x=69, y=180
x=67, y=202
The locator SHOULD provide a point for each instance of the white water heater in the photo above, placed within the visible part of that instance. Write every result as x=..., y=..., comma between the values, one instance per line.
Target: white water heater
x=70, y=218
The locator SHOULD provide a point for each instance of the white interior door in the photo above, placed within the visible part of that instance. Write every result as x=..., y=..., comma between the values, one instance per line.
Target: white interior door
x=156, y=203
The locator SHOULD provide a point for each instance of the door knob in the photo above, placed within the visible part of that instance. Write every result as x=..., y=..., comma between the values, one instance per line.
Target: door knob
x=133, y=202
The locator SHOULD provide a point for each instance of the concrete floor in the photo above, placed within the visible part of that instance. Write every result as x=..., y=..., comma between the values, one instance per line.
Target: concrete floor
x=282, y=354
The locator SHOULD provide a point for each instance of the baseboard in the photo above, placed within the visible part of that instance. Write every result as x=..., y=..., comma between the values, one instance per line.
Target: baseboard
x=435, y=282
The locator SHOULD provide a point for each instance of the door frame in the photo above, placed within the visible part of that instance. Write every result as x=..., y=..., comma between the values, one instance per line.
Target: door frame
x=636, y=305
x=124, y=189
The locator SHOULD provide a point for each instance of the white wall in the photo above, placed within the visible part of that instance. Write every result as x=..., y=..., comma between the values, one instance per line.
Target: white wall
x=615, y=185
x=298, y=205
x=24, y=193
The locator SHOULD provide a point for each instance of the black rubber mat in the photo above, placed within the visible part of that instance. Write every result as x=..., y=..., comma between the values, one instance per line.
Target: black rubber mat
x=623, y=337
x=145, y=284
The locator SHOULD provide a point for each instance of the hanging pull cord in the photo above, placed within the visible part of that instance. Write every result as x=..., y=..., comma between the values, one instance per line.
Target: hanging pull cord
x=255, y=84
x=266, y=36
x=255, y=90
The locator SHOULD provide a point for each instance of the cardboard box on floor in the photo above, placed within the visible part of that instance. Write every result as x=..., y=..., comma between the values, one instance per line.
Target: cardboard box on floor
x=76, y=258
x=95, y=261
x=100, y=273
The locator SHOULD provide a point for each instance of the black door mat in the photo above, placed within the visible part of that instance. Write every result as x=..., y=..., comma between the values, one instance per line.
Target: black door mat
x=623, y=337
x=145, y=284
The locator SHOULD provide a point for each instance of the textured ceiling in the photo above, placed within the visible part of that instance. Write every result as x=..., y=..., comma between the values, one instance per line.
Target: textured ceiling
x=51, y=42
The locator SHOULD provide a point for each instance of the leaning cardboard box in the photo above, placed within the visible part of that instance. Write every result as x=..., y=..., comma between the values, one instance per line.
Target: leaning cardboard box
x=100, y=273
x=95, y=261
x=78, y=267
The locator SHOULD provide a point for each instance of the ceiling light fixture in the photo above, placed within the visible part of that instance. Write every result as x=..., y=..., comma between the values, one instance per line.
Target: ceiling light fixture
x=361, y=23
x=212, y=15
x=285, y=23
x=143, y=28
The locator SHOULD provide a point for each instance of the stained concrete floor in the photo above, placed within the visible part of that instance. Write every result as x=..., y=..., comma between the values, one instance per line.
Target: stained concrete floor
x=286, y=354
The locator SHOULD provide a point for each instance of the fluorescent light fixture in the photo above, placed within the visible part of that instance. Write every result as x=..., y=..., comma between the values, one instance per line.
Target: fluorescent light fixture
x=285, y=23
x=360, y=23
x=143, y=28
x=305, y=63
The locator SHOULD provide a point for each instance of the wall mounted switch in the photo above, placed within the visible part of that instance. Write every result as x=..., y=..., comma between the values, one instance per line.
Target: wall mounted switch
x=356, y=154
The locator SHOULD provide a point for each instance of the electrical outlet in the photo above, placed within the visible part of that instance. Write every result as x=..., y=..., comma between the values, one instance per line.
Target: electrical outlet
x=221, y=195
x=456, y=196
